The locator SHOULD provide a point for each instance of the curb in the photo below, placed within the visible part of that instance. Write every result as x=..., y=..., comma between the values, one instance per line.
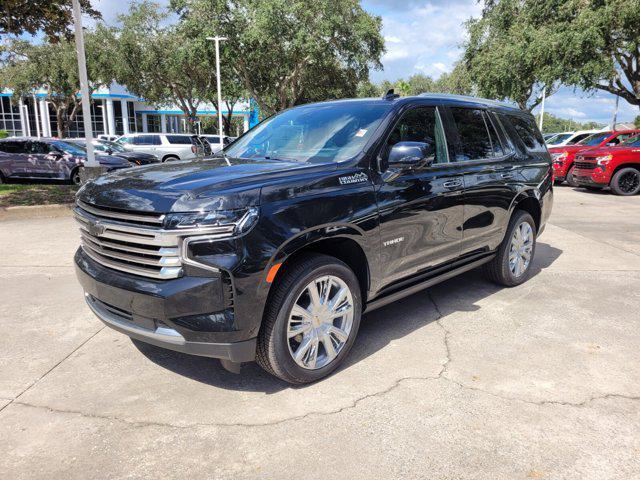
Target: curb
x=34, y=212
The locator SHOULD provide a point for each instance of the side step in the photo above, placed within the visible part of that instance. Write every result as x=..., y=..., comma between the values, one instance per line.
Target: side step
x=392, y=297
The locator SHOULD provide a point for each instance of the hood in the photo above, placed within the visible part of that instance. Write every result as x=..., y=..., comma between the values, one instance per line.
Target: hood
x=187, y=186
x=568, y=148
x=108, y=160
x=597, y=152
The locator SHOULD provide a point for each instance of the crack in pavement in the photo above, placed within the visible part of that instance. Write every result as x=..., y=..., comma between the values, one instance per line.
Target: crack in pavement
x=441, y=376
x=36, y=381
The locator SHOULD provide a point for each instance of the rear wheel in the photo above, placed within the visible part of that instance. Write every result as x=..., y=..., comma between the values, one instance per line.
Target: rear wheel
x=570, y=180
x=311, y=321
x=626, y=181
x=512, y=263
x=170, y=158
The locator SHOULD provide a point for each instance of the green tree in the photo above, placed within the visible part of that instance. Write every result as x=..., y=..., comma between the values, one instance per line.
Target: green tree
x=53, y=17
x=553, y=124
x=366, y=89
x=598, y=45
x=154, y=59
x=54, y=68
x=403, y=88
x=637, y=121
x=289, y=52
x=420, y=83
x=456, y=82
x=510, y=51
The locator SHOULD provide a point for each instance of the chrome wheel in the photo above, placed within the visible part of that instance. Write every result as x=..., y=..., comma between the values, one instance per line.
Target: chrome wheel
x=320, y=322
x=521, y=249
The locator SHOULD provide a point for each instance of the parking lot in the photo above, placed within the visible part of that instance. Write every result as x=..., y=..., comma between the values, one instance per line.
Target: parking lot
x=465, y=380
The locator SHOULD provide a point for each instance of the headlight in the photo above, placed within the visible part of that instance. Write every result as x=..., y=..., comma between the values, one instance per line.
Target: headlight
x=603, y=160
x=234, y=222
x=559, y=157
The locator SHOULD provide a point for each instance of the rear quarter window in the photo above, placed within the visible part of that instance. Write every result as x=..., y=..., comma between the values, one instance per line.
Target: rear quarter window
x=526, y=130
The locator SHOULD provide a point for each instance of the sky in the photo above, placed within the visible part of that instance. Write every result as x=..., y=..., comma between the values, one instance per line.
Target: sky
x=425, y=37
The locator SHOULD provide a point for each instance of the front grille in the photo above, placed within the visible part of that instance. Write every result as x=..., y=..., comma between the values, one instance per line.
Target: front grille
x=584, y=165
x=130, y=242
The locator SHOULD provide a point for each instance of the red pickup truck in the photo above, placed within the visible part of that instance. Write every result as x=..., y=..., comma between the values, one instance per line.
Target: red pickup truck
x=617, y=167
x=563, y=157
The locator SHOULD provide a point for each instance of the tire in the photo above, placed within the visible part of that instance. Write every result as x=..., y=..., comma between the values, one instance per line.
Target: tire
x=170, y=158
x=74, y=178
x=276, y=347
x=569, y=179
x=499, y=270
x=626, y=182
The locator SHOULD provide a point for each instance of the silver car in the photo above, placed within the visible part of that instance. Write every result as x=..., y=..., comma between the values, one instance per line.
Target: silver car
x=165, y=146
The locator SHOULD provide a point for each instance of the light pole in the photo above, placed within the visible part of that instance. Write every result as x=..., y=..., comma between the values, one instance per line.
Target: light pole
x=217, y=40
x=544, y=97
x=84, y=85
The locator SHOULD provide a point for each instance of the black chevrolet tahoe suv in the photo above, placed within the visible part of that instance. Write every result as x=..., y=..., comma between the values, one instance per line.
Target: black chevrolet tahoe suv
x=274, y=249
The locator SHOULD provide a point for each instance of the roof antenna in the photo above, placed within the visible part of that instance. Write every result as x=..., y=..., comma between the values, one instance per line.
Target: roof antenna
x=390, y=95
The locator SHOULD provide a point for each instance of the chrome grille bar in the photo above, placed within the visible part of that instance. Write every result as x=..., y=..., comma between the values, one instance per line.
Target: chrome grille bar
x=137, y=243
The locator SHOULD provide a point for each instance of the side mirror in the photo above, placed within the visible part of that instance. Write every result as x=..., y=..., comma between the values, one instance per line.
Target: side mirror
x=408, y=155
x=55, y=154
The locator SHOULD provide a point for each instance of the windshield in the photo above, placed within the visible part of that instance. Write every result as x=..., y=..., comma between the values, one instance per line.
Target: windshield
x=632, y=142
x=560, y=138
x=315, y=133
x=595, y=139
x=106, y=144
x=70, y=148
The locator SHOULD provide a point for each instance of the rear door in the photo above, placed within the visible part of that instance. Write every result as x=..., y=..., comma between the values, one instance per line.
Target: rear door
x=13, y=158
x=421, y=210
x=490, y=170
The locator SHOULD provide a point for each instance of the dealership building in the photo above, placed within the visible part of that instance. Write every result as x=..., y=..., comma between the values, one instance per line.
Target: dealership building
x=114, y=111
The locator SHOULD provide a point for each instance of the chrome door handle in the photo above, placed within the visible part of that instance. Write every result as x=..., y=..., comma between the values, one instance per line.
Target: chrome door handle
x=452, y=184
x=507, y=175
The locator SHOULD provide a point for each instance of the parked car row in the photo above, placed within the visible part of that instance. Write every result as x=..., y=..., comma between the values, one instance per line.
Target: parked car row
x=61, y=159
x=48, y=159
x=602, y=159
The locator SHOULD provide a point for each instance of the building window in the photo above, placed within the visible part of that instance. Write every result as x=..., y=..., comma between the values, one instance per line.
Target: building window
x=76, y=129
x=10, y=116
x=133, y=127
x=153, y=123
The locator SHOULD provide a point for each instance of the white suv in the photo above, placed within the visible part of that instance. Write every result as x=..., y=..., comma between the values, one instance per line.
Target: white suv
x=165, y=146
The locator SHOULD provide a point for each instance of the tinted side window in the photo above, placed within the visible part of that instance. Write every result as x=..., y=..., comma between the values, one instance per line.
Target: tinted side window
x=38, y=148
x=13, y=147
x=147, y=140
x=126, y=140
x=179, y=139
x=420, y=125
x=474, y=142
x=527, y=131
x=579, y=138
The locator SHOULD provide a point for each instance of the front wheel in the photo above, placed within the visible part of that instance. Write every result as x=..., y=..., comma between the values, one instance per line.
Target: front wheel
x=512, y=263
x=75, y=176
x=570, y=180
x=626, y=182
x=311, y=321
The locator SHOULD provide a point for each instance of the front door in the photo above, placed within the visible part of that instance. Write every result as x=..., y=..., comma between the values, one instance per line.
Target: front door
x=421, y=210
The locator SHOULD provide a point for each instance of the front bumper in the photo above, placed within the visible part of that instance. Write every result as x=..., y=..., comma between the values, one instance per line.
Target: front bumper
x=596, y=177
x=188, y=314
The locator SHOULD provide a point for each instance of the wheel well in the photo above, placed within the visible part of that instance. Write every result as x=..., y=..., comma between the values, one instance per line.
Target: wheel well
x=532, y=207
x=626, y=165
x=343, y=249
x=167, y=157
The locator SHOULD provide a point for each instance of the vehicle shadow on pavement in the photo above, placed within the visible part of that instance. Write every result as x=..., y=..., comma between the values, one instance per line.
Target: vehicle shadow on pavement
x=377, y=330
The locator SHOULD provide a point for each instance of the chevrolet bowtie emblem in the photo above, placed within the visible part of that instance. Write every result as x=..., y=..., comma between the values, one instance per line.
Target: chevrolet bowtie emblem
x=96, y=229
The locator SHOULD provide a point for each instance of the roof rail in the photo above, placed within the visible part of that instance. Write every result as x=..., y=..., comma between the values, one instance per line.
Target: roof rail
x=390, y=95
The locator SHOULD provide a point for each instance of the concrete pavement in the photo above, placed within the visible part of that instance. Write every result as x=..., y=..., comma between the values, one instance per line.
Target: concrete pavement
x=466, y=380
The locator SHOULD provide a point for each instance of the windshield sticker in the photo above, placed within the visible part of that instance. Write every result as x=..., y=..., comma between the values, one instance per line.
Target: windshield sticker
x=357, y=178
x=361, y=133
